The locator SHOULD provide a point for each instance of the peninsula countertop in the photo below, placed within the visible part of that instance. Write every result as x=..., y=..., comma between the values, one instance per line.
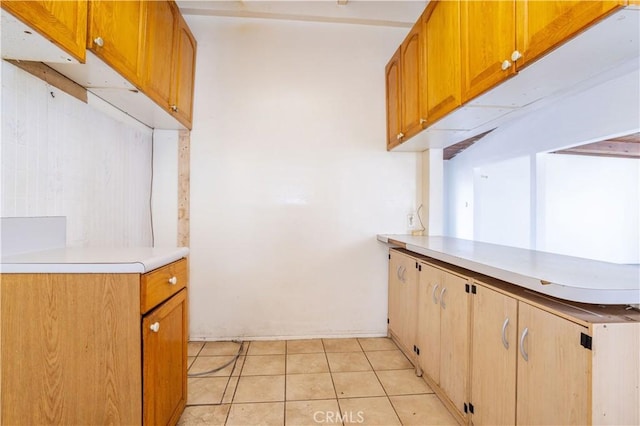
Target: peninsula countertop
x=92, y=260
x=566, y=277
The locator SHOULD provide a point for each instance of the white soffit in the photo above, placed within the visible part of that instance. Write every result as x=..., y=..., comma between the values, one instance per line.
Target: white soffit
x=378, y=13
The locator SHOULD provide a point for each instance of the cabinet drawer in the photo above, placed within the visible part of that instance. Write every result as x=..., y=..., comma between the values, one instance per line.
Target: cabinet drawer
x=162, y=283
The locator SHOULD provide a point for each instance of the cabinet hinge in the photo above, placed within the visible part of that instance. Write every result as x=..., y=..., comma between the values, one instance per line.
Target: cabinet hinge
x=585, y=340
x=473, y=289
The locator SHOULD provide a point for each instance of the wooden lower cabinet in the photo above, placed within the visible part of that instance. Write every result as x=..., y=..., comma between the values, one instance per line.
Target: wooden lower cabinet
x=77, y=350
x=443, y=336
x=164, y=355
x=497, y=354
x=553, y=369
x=403, y=301
x=493, y=356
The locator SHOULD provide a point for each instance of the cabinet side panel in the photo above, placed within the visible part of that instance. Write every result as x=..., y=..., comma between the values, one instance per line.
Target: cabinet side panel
x=70, y=349
x=616, y=374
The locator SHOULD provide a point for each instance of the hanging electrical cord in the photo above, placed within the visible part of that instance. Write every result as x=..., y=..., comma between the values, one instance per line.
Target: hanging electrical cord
x=420, y=219
x=215, y=370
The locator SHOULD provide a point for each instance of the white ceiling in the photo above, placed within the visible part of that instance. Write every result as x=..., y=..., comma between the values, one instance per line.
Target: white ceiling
x=394, y=13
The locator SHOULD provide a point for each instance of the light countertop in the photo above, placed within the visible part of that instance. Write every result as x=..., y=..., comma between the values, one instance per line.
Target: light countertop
x=565, y=277
x=92, y=260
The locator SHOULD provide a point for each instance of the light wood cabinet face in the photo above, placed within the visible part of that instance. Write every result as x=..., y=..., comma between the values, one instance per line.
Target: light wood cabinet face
x=553, y=385
x=454, y=339
x=543, y=25
x=164, y=341
x=443, y=332
x=412, y=81
x=493, y=357
x=430, y=286
x=162, y=18
x=393, y=90
x=442, y=38
x=120, y=25
x=184, y=73
x=487, y=40
x=63, y=22
x=403, y=303
x=70, y=349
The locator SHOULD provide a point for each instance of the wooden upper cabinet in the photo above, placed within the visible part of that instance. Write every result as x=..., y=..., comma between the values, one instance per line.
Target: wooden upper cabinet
x=412, y=81
x=441, y=25
x=543, y=25
x=392, y=78
x=116, y=35
x=162, y=17
x=488, y=34
x=183, y=80
x=62, y=22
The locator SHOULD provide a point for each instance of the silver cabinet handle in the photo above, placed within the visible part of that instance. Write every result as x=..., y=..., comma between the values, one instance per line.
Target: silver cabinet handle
x=174, y=108
x=423, y=120
x=400, y=136
x=433, y=294
x=400, y=273
x=442, y=298
x=173, y=280
x=505, y=343
x=155, y=327
x=98, y=41
x=402, y=277
x=524, y=354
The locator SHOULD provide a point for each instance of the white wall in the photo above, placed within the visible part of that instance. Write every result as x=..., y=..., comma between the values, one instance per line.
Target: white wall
x=61, y=157
x=290, y=179
x=590, y=207
x=609, y=109
x=502, y=203
x=164, y=198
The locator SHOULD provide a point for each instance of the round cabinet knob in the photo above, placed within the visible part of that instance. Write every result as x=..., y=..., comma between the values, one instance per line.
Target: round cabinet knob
x=155, y=327
x=174, y=108
x=423, y=120
x=98, y=41
x=173, y=280
x=506, y=65
x=400, y=136
x=516, y=55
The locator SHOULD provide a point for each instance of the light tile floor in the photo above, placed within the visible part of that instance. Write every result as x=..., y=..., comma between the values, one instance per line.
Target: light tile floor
x=308, y=382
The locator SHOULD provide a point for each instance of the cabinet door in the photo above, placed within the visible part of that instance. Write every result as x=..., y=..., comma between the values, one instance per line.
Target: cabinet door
x=493, y=357
x=454, y=339
x=412, y=81
x=488, y=40
x=162, y=18
x=553, y=370
x=543, y=25
x=116, y=35
x=430, y=286
x=183, y=73
x=62, y=22
x=164, y=363
x=442, y=38
x=392, y=78
x=403, y=300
